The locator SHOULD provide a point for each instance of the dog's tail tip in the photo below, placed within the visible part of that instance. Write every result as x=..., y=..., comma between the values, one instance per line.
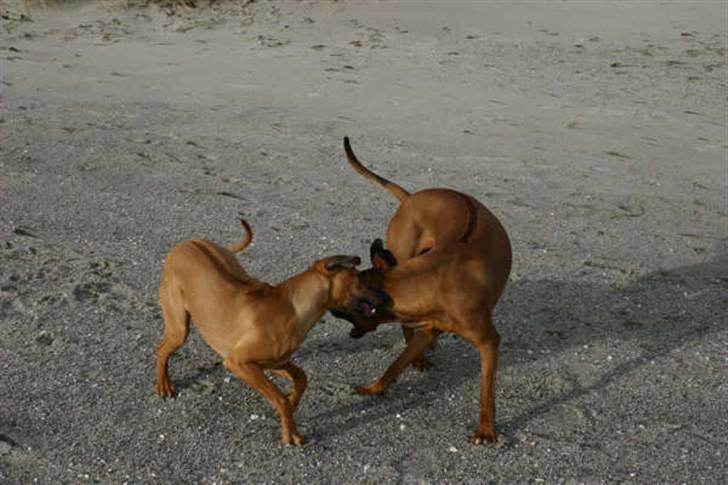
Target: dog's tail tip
x=241, y=218
x=348, y=150
x=245, y=242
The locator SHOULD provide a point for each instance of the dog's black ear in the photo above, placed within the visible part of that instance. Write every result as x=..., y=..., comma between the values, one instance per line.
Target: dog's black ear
x=382, y=259
x=376, y=247
x=337, y=262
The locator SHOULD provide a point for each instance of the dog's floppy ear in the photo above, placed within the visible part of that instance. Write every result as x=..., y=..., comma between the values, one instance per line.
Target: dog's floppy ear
x=382, y=259
x=340, y=262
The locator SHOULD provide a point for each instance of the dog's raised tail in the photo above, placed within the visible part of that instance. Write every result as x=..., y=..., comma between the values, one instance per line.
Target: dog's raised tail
x=395, y=189
x=245, y=241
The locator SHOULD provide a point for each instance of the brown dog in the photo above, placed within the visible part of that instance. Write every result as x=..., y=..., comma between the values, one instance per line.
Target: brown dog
x=449, y=262
x=254, y=326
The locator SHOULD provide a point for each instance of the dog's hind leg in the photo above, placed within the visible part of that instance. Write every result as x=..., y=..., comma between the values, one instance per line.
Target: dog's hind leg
x=176, y=329
x=298, y=380
x=486, y=339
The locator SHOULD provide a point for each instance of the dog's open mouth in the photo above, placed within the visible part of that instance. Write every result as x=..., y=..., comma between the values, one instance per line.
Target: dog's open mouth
x=367, y=309
x=358, y=310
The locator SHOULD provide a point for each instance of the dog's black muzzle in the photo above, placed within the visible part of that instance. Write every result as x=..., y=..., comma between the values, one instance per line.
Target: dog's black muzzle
x=357, y=331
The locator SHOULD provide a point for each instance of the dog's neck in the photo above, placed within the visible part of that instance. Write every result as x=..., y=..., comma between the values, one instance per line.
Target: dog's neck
x=308, y=294
x=412, y=296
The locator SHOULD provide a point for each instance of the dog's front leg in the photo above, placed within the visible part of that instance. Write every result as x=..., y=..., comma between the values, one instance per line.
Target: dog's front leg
x=253, y=375
x=420, y=341
x=421, y=363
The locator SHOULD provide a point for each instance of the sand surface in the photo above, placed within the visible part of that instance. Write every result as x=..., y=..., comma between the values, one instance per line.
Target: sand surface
x=595, y=130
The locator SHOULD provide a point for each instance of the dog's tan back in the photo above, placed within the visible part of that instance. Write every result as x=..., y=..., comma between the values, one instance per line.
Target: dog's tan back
x=195, y=267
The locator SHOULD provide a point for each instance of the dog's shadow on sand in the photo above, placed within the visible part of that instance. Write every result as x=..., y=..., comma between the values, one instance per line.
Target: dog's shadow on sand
x=659, y=312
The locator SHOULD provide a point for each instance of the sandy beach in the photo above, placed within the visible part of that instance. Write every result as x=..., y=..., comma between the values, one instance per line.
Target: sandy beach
x=595, y=130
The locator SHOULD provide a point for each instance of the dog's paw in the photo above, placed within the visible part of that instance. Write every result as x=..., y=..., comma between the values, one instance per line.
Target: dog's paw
x=165, y=389
x=422, y=363
x=482, y=438
x=373, y=389
x=292, y=439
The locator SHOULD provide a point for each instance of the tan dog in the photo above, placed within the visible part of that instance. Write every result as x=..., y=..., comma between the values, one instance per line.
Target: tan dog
x=254, y=326
x=449, y=262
